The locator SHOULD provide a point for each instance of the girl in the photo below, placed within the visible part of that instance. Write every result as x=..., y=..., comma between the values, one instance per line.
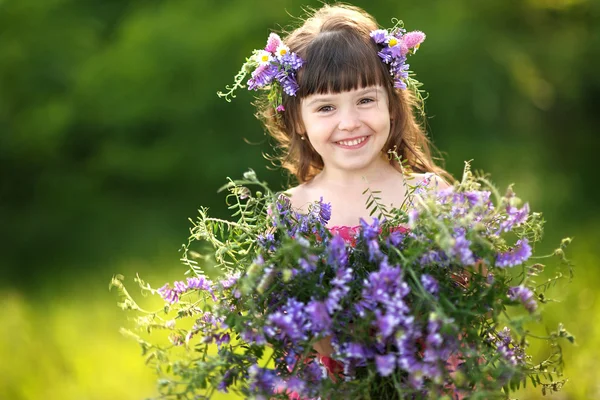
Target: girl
x=336, y=132
x=339, y=101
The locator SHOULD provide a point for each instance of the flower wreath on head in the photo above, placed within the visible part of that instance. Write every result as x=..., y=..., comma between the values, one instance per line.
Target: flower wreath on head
x=274, y=68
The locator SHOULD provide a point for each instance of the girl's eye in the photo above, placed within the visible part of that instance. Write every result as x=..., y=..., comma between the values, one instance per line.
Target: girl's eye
x=325, y=109
x=366, y=100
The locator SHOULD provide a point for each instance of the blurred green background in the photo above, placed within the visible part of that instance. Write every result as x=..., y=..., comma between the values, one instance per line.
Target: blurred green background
x=111, y=137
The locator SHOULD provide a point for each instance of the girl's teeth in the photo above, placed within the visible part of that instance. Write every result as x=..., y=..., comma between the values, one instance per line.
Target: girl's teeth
x=352, y=142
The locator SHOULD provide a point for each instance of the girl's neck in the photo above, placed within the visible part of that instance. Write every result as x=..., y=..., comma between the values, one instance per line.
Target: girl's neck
x=377, y=173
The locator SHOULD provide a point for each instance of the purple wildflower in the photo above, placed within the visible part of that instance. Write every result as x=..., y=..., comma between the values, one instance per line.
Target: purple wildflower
x=262, y=76
x=280, y=108
x=461, y=248
x=288, y=83
x=387, y=324
x=307, y=266
x=396, y=238
x=226, y=381
x=292, y=60
x=370, y=232
x=355, y=350
x=251, y=336
x=230, y=280
x=199, y=282
x=385, y=56
x=433, y=257
x=340, y=289
x=515, y=217
x=385, y=364
x=379, y=35
x=262, y=380
x=288, y=322
x=319, y=317
x=511, y=352
x=168, y=294
x=322, y=211
x=430, y=284
x=524, y=295
x=516, y=256
x=374, y=251
x=336, y=250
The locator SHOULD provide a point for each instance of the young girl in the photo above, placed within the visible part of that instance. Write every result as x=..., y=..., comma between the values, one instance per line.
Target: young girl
x=338, y=105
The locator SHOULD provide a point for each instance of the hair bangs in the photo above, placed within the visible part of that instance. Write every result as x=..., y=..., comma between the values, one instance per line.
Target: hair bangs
x=339, y=61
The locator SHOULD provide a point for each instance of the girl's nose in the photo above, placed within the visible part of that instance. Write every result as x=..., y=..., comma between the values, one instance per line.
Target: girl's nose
x=349, y=120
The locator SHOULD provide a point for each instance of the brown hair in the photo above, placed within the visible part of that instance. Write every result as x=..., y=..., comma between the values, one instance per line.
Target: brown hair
x=340, y=55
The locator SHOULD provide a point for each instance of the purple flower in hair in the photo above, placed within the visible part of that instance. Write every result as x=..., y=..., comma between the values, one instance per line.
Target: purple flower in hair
x=262, y=76
x=292, y=60
x=288, y=83
x=379, y=35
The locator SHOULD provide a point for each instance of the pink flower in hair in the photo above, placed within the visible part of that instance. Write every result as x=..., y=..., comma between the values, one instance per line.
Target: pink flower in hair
x=413, y=39
x=273, y=42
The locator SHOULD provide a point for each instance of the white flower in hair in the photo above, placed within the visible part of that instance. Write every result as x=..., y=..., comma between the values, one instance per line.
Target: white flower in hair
x=282, y=50
x=263, y=57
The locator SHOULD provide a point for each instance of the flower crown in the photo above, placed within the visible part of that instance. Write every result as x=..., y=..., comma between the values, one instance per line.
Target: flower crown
x=395, y=45
x=274, y=68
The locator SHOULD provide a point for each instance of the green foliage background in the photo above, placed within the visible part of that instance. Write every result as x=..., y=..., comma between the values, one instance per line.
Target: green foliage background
x=111, y=137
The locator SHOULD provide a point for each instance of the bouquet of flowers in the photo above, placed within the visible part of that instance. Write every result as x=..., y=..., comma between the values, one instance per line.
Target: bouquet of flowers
x=434, y=299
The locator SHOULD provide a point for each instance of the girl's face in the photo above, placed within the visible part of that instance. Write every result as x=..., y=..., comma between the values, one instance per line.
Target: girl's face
x=348, y=129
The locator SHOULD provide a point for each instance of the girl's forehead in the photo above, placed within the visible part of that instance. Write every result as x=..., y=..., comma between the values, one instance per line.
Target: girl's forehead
x=368, y=90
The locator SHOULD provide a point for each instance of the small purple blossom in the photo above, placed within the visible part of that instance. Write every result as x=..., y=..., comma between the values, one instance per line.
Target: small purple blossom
x=262, y=76
x=523, y=295
x=379, y=35
x=336, y=251
x=516, y=256
x=385, y=364
x=288, y=322
x=370, y=232
x=430, y=284
x=510, y=351
x=262, y=381
x=461, y=248
x=322, y=211
x=386, y=324
x=292, y=60
x=515, y=217
x=319, y=317
x=340, y=289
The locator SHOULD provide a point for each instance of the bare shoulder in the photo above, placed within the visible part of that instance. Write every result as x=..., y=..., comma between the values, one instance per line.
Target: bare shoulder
x=299, y=197
x=431, y=180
